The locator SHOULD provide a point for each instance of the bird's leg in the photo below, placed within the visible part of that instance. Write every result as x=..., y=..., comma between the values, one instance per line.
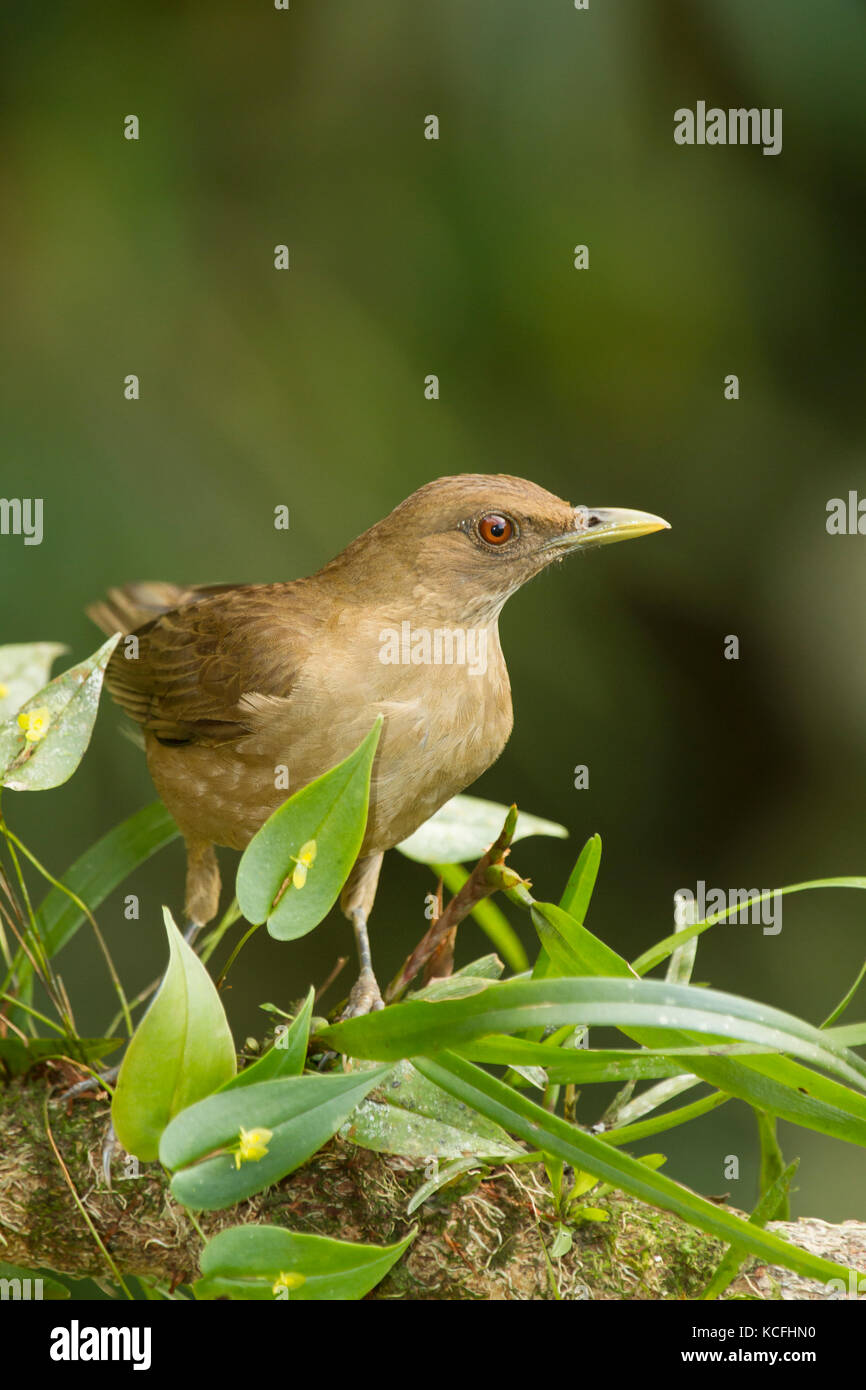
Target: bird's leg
x=356, y=902
x=365, y=997
x=202, y=886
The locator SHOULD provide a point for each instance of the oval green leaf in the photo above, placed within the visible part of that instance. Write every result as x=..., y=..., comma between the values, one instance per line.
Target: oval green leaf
x=329, y=813
x=301, y=1113
x=66, y=711
x=410, y=1116
x=248, y=1262
x=465, y=828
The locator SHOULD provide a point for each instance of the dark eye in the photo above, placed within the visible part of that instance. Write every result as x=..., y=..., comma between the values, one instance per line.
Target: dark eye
x=495, y=529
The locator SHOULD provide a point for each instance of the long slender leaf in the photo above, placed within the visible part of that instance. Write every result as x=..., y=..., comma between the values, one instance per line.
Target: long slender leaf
x=662, y=949
x=538, y=1128
x=96, y=874
x=578, y=891
x=418, y=1027
x=774, y=1196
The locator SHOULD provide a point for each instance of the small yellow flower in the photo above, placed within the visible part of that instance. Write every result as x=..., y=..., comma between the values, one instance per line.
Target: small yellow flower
x=288, y=1280
x=4, y=691
x=253, y=1145
x=35, y=725
x=303, y=862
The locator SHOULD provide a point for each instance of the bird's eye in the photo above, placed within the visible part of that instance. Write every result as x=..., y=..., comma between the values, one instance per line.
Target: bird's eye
x=495, y=529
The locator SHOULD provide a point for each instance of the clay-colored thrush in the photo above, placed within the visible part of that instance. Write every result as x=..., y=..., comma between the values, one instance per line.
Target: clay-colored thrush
x=231, y=681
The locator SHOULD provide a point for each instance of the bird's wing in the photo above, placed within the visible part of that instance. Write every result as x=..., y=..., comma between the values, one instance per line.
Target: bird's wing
x=190, y=675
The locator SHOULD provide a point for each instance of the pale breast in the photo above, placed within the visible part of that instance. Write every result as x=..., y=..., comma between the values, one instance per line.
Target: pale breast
x=445, y=722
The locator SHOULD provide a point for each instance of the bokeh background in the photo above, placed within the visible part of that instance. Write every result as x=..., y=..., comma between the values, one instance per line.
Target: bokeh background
x=306, y=388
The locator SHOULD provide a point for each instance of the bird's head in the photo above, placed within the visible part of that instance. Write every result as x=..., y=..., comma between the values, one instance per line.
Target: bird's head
x=459, y=547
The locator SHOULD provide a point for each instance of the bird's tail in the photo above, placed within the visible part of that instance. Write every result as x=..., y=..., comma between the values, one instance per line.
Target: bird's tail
x=124, y=610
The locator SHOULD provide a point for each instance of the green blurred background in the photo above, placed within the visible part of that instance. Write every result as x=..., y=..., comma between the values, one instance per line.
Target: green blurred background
x=306, y=388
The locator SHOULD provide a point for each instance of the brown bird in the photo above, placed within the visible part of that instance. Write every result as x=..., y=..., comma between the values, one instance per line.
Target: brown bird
x=232, y=681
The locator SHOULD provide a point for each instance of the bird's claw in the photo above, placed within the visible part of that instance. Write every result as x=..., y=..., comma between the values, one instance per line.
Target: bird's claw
x=365, y=997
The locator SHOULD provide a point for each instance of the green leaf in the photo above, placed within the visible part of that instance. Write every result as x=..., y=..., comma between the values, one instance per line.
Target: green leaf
x=576, y=898
x=664, y=948
x=572, y=949
x=562, y=1243
x=538, y=1128
x=24, y=669
x=40, y=1285
x=415, y=1027
x=469, y=979
x=408, y=1115
x=92, y=877
x=181, y=1051
x=582, y=1066
x=776, y=1084
x=772, y=1163
x=465, y=828
x=286, y=1057
x=670, y=1119
x=773, y=1083
x=442, y=1177
x=302, y=1113
x=69, y=703
x=17, y=1057
x=245, y=1262
x=330, y=812
x=774, y=1198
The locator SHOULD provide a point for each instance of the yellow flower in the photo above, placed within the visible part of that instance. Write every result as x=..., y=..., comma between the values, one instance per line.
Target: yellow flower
x=4, y=691
x=303, y=862
x=35, y=725
x=253, y=1145
x=288, y=1281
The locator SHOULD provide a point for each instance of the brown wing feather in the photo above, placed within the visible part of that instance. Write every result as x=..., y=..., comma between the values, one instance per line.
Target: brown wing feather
x=196, y=662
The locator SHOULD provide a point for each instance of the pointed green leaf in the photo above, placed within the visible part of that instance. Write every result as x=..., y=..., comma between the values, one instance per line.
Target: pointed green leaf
x=576, y=898
x=247, y=1262
x=301, y=1113
x=329, y=813
x=62, y=716
x=181, y=1051
x=572, y=949
x=287, y=1055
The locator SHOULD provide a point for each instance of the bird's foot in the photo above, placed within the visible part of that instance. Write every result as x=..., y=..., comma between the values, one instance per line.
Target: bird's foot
x=365, y=997
x=91, y=1083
